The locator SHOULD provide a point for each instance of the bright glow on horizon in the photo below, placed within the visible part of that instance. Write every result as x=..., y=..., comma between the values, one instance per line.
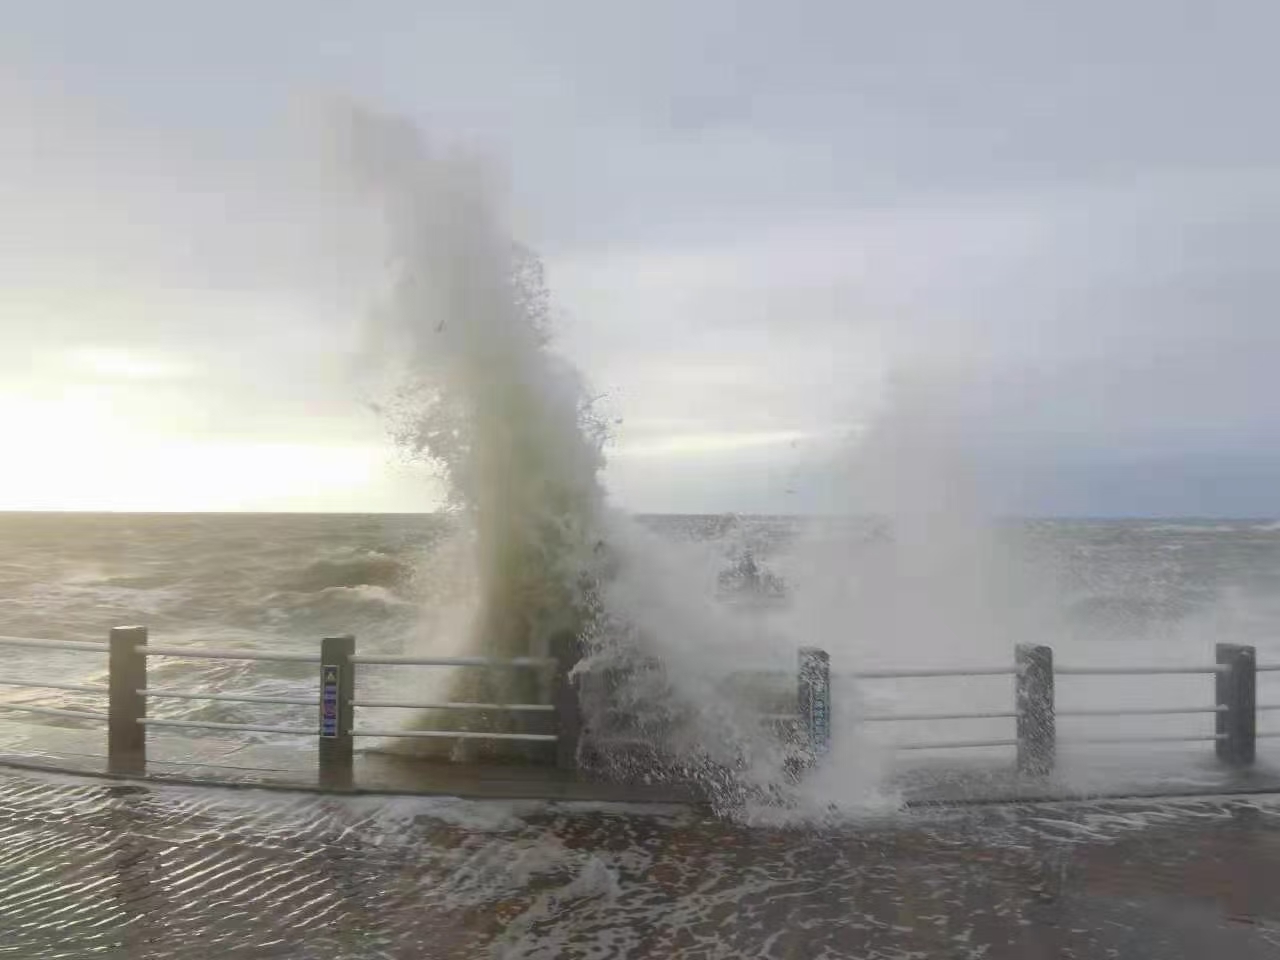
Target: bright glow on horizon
x=71, y=453
x=189, y=477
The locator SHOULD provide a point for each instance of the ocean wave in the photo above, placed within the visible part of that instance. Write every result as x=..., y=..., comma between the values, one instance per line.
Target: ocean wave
x=367, y=593
x=1193, y=528
x=106, y=595
x=371, y=568
x=359, y=605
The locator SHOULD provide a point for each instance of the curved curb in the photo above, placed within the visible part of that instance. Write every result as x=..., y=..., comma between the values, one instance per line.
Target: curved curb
x=916, y=803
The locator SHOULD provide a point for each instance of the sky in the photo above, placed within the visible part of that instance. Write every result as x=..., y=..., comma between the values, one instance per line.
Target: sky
x=1035, y=244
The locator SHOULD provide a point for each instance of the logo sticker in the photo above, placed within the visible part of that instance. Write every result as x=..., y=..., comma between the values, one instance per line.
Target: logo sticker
x=329, y=701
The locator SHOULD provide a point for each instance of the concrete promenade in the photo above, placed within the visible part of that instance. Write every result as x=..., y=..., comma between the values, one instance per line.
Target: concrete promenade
x=91, y=868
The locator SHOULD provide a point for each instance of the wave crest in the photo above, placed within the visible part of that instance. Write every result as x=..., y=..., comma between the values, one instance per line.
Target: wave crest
x=366, y=569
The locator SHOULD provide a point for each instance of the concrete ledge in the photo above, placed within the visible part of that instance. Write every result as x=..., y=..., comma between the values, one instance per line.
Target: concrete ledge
x=213, y=762
x=209, y=761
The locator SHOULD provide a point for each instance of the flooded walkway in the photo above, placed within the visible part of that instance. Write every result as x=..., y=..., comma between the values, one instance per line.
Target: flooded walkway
x=98, y=869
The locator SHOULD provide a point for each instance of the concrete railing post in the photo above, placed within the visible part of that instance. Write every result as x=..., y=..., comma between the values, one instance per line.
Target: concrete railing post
x=126, y=676
x=566, y=650
x=1235, y=688
x=337, y=690
x=813, y=699
x=1036, y=723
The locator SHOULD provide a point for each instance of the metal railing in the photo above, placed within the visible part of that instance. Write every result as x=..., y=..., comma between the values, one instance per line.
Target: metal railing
x=228, y=653
x=55, y=711
x=953, y=744
x=514, y=662
x=905, y=673
x=128, y=693
x=1234, y=707
x=1140, y=671
x=44, y=683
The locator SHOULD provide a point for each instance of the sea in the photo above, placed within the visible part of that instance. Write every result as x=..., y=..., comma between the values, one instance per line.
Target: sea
x=1114, y=592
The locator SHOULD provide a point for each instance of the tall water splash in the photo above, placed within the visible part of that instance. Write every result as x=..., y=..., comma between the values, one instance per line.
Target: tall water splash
x=480, y=393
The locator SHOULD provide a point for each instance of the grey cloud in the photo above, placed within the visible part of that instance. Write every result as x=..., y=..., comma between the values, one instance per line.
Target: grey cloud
x=753, y=213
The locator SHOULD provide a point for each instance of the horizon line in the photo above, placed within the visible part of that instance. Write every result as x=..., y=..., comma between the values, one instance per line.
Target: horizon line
x=1079, y=518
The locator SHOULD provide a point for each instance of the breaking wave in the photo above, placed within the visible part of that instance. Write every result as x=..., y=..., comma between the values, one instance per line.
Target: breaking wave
x=368, y=569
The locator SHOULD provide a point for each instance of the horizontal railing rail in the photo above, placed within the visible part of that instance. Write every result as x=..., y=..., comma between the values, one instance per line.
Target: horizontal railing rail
x=977, y=715
x=451, y=705
x=55, y=711
x=456, y=735
x=228, y=653
x=913, y=672
x=514, y=662
x=1139, y=711
x=1148, y=738
x=94, y=688
x=167, y=694
x=52, y=644
x=953, y=744
x=1131, y=671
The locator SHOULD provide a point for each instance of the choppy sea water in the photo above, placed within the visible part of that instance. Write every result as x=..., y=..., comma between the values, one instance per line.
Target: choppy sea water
x=1100, y=592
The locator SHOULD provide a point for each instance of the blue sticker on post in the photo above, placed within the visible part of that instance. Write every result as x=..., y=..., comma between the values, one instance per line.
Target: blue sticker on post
x=329, y=700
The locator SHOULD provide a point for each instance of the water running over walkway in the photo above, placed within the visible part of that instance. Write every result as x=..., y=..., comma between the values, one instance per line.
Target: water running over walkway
x=94, y=869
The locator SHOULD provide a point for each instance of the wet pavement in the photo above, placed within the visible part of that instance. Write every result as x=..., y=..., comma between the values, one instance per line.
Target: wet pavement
x=89, y=868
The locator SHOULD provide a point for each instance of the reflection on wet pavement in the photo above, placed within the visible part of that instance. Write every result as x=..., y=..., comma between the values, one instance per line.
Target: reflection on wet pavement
x=88, y=869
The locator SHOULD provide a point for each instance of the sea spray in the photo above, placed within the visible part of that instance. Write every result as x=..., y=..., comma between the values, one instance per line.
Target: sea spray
x=478, y=391
x=658, y=682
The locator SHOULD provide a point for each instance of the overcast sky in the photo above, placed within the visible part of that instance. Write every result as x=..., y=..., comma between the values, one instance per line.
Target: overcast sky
x=1047, y=232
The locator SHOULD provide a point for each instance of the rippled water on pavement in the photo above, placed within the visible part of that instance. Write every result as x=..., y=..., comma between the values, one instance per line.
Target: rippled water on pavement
x=98, y=869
